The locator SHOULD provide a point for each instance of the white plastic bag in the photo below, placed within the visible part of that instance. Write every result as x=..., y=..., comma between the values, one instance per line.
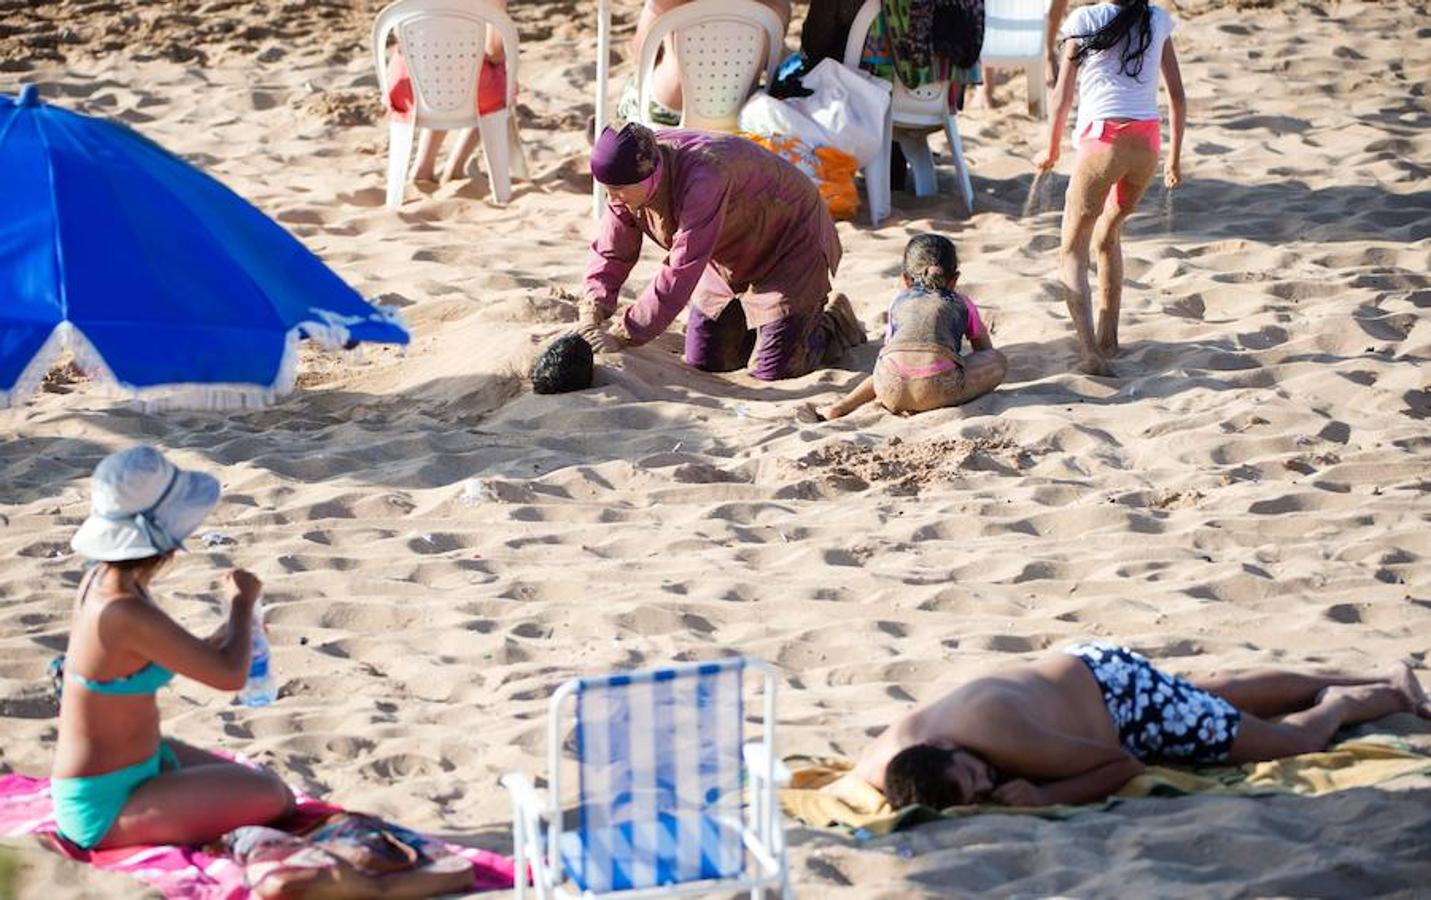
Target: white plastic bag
x=849, y=105
x=769, y=117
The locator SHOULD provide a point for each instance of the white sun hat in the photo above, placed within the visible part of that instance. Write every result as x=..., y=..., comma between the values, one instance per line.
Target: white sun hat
x=142, y=505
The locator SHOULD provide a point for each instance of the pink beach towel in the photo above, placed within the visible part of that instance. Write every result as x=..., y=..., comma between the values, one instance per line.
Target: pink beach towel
x=185, y=872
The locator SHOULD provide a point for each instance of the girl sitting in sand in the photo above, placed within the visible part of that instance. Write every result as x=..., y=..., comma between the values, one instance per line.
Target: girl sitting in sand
x=1110, y=51
x=116, y=781
x=921, y=366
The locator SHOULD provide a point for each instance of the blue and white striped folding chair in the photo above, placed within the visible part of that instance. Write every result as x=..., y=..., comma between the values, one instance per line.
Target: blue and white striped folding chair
x=662, y=774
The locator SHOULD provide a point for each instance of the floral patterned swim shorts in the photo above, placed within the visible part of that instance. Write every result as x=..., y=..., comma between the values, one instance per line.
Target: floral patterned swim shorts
x=1159, y=716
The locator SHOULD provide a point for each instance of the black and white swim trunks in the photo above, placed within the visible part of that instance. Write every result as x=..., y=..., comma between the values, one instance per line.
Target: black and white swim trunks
x=1159, y=716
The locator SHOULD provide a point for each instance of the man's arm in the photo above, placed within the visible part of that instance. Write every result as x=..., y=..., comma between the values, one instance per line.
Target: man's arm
x=1095, y=784
x=613, y=255
x=1049, y=766
x=699, y=220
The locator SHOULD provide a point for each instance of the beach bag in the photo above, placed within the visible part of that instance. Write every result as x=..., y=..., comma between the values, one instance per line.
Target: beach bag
x=768, y=116
x=832, y=170
x=345, y=855
x=849, y=105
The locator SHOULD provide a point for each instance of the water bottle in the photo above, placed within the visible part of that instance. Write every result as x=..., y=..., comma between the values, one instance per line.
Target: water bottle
x=260, y=689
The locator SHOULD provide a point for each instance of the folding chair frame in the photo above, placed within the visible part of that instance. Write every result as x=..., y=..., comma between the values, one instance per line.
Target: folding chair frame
x=762, y=829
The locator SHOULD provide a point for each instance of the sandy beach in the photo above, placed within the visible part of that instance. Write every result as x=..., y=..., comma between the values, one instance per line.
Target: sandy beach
x=442, y=547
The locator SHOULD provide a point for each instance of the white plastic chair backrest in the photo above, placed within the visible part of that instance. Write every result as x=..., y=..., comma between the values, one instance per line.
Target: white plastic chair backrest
x=659, y=761
x=926, y=105
x=443, y=42
x=720, y=48
x=1014, y=30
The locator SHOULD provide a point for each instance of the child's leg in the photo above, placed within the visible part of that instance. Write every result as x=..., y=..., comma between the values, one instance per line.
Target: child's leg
x=852, y=401
x=1141, y=164
x=428, y=143
x=984, y=370
x=1093, y=177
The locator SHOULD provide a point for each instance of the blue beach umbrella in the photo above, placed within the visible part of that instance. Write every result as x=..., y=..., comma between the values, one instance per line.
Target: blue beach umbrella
x=152, y=273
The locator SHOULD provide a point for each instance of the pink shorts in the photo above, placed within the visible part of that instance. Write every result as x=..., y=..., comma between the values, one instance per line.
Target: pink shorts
x=1102, y=134
x=491, y=86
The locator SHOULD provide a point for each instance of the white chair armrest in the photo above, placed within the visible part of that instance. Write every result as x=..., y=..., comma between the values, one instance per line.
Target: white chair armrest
x=755, y=761
x=525, y=794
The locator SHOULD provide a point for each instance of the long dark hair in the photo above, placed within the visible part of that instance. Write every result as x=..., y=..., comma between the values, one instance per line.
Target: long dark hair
x=1131, y=15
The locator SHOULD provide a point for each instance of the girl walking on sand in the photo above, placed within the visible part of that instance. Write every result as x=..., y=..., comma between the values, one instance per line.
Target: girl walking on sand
x=1113, y=53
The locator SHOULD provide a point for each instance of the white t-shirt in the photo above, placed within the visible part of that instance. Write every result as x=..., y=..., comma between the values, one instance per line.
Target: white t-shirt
x=1104, y=91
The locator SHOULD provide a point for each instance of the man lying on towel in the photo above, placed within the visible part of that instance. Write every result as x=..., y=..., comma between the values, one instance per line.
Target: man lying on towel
x=1077, y=726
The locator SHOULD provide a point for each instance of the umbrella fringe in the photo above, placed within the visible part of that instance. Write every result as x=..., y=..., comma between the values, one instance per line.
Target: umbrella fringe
x=217, y=397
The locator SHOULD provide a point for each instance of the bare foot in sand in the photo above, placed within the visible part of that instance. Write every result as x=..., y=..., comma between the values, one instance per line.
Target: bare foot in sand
x=1404, y=680
x=1094, y=364
x=810, y=414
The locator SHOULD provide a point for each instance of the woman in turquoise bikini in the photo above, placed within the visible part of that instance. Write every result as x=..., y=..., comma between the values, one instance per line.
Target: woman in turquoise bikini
x=116, y=781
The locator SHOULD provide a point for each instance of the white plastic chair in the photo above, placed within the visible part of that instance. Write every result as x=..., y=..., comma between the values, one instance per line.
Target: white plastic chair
x=720, y=47
x=443, y=43
x=660, y=795
x=914, y=114
x=1014, y=38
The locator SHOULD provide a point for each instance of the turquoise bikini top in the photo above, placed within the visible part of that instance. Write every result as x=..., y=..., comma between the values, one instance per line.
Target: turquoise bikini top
x=147, y=680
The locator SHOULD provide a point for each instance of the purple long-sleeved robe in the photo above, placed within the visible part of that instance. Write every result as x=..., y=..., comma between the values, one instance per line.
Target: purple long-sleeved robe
x=724, y=202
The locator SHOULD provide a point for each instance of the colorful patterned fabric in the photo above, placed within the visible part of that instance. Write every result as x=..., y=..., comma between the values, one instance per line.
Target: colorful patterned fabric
x=189, y=873
x=914, y=39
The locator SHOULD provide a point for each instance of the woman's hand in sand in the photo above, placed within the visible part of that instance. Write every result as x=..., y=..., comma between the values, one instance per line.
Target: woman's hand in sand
x=589, y=314
x=1173, y=175
x=1049, y=159
x=246, y=587
x=604, y=340
x=1020, y=793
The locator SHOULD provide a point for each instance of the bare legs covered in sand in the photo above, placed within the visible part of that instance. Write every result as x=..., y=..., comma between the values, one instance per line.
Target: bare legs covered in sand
x=979, y=373
x=1108, y=181
x=1286, y=713
x=202, y=799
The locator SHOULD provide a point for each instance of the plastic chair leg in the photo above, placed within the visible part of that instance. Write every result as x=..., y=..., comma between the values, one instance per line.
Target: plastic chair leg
x=493, y=128
x=1038, y=95
x=877, y=187
x=921, y=162
x=956, y=146
x=400, y=135
x=517, y=151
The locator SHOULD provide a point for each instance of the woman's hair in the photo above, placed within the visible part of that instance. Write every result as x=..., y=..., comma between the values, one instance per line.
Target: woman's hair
x=1131, y=15
x=919, y=775
x=139, y=565
x=930, y=261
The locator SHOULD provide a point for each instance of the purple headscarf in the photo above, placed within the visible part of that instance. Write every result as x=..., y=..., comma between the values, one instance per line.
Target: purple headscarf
x=625, y=157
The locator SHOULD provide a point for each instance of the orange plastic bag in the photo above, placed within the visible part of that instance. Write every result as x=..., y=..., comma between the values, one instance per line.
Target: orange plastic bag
x=832, y=170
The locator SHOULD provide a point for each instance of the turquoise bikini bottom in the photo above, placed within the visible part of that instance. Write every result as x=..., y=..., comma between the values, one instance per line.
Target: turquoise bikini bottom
x=86, y=806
